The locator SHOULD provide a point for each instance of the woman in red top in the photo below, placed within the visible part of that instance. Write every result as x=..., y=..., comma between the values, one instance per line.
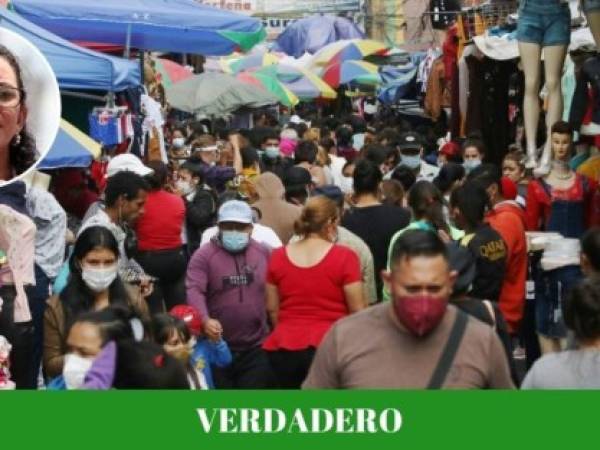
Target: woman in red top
x=160, y=248
x=310, y=285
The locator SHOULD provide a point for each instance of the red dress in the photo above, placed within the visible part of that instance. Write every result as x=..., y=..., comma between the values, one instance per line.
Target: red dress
x=311, y=299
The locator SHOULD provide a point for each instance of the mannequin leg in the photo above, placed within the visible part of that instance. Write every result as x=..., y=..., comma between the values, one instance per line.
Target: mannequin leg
x=530, y=59
x=593, y=19
x=554, y=60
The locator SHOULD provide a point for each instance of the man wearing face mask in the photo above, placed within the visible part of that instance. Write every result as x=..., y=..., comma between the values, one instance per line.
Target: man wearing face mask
x=226, y=283
x=272, y=159
x=416, y=341
x=411, y=156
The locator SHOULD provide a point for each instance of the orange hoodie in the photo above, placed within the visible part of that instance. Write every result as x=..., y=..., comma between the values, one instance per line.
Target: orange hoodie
x=509, y=220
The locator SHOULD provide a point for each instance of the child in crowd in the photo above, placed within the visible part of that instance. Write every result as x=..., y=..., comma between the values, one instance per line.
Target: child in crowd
x=180, y=334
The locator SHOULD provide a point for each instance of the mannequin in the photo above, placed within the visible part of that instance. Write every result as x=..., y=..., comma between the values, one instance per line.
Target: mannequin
x=544, y=25
x=592, y=12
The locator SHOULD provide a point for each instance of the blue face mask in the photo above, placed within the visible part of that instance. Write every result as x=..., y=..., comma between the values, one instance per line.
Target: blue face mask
x=471, y=164
x=412, y=162
x=272, y=152
x=234, y=241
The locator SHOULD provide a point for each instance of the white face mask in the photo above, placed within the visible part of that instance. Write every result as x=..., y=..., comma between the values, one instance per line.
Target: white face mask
x=184, y=186
x=75, y=369
x=347, y=185
x=99, y=280
x=178, y=142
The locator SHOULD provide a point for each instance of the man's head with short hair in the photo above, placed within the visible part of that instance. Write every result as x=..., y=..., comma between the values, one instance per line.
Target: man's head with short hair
x=126, y=194
x=367, y=177
x=419, y=267
x=590, y=252
x=489, y=176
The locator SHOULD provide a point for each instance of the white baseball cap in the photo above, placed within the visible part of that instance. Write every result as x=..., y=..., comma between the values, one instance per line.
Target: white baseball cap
x=235, y=211
x=127, y=162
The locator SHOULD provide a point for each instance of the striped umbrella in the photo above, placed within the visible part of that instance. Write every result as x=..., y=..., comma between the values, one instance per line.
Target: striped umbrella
x=352, y=49
x=171, y=72
x=356, y=72
x=253, y=61
x=270, y=83
x=302, y=82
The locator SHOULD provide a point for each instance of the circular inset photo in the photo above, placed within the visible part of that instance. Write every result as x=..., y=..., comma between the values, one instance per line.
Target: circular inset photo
x=30, y=106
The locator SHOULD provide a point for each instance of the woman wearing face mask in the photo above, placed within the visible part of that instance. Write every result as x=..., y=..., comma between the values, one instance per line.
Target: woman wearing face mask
x=178, y=148
x=310, y=284
x=93, y=285
x=87, y=346
x=473, y=153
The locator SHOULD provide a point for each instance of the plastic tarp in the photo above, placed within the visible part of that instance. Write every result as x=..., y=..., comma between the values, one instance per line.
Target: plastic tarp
x=76, y=68
x=310, y=34
x=181, y=26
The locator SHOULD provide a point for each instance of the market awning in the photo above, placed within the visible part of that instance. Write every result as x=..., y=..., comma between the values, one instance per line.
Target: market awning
x=72, y=148
x=76, y=68
x=182, y=26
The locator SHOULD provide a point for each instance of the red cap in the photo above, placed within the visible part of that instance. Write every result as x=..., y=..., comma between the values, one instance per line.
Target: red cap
x=450, y=149
x=509, y=188
x=190, y=315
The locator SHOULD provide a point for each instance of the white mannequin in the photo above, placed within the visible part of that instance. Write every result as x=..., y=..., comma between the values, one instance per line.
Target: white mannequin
x=554, y=58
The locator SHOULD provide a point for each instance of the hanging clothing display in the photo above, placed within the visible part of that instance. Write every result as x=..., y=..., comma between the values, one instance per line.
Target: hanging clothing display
x=105, y=126
x=443, y=13
x=588, y=79
x=17, y=240
x=153, y=129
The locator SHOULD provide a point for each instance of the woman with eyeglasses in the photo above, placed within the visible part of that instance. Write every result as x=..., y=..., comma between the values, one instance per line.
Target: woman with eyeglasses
x=17, y=147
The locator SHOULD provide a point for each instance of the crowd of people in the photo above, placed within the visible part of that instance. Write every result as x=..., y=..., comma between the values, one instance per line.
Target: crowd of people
x=336, y=252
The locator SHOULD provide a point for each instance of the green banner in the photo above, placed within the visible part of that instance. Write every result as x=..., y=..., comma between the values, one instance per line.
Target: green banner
x=304, y=420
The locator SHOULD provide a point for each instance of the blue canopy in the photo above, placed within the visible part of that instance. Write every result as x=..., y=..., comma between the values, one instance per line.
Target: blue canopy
x=75, y=67
x=182, y=26
x=315, y=32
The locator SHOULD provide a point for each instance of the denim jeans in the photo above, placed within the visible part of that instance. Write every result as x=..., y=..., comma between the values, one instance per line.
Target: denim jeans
x=552, y=288
x=544, y=22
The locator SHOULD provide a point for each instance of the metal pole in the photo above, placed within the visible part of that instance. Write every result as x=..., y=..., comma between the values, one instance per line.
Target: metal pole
x=128, y=41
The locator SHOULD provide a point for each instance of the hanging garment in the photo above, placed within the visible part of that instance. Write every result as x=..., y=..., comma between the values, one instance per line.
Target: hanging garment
x=17, y=240
x=443, y=13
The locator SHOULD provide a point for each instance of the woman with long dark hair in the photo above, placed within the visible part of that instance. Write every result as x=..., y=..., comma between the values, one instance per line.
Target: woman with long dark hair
x=93, y=285
x=17, y=147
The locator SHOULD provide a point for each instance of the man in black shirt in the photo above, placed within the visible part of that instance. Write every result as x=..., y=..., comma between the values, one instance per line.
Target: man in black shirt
x=272, y=160
x=374, y=222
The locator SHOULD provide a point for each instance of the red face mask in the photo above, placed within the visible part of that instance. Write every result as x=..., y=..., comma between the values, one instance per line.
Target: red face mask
x=420, y=313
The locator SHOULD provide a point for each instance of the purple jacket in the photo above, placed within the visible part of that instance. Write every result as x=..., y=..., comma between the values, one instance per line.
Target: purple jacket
x=231, y=289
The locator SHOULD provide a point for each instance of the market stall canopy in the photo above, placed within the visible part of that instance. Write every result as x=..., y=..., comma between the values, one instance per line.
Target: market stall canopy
x=216, y=94
x=75, y=67
x=72, y=148
x=315, y=32
x=181, y=26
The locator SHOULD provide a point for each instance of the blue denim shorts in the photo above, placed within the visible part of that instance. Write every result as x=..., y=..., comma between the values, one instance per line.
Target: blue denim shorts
x=545, y=23
x=591, y=5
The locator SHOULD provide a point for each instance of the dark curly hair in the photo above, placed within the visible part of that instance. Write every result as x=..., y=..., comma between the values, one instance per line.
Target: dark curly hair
x=22, y=155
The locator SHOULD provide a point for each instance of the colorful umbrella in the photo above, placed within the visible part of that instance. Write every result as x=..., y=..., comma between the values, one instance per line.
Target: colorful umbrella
x=302, y=82
x=171, y=72
x=269, y=82
x=216, y=94
x=253, y=61
x=72, y=148
x=352, y=49
x=359, y=72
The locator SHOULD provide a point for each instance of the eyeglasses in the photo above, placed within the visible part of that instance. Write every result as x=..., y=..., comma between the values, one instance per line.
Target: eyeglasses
x=10, y=97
